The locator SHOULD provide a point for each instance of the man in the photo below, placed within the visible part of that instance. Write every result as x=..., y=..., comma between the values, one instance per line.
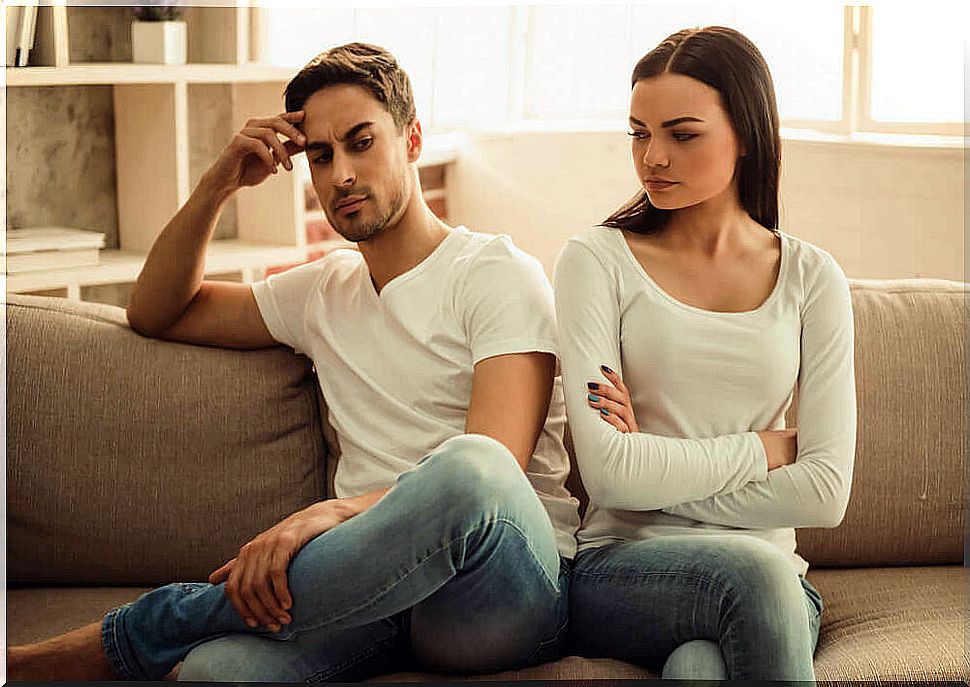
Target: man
x=449, y=542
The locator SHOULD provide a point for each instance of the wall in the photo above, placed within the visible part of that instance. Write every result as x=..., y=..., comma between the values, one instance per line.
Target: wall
x=883, y=212
x=60, y=140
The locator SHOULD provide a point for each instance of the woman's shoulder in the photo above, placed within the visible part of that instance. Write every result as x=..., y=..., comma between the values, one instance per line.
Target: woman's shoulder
x=604, y=244
x=811, y=264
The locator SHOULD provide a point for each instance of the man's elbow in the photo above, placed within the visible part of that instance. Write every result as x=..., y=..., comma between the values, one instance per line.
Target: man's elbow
x=140, y=325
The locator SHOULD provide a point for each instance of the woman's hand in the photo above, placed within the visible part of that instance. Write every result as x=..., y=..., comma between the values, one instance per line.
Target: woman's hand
x=612, y=401
x=781, y=446
x=256, y=578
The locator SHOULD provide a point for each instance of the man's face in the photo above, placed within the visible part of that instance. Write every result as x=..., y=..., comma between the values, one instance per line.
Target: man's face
x=358, y=160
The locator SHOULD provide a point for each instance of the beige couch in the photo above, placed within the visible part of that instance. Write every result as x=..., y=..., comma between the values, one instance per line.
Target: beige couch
x=133, y=462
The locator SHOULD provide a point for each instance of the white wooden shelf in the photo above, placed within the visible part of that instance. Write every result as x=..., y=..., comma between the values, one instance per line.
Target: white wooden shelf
x=153, y=107
x=118, y=266
x=113, y=73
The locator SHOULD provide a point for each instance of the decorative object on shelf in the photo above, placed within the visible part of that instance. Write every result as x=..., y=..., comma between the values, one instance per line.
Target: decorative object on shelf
x=48, y=248
x=157, y=35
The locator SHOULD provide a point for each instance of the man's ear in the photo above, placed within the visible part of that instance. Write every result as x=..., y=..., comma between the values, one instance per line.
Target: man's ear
x=415, y=139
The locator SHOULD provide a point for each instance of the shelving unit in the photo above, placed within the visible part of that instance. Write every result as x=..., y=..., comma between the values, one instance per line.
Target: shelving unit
x=152, y=149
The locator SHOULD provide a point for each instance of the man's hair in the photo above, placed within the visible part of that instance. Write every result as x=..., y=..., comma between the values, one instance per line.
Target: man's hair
x=362, y=64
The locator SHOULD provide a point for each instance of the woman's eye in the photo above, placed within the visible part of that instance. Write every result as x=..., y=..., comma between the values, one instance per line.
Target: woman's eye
x=684, y=137
x=638, y=135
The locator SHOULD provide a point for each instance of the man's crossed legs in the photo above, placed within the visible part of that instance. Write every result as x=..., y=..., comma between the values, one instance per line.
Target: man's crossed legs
x=455, y=568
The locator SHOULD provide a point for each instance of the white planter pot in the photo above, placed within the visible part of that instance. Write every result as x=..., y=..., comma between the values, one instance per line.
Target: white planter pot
x=158, y=42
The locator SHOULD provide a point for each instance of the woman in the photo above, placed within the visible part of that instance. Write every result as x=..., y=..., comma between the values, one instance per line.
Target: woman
x=686, y=321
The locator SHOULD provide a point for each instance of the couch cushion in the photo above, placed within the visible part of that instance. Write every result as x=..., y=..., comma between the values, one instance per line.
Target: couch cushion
x=42, y=612
x=906, y=505
x=138, y=461
x=893, y=624
x=566, y=668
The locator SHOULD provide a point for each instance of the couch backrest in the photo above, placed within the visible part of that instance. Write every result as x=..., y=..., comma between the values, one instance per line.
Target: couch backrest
x=190, y=451
x=137, y=461
x=907, y=500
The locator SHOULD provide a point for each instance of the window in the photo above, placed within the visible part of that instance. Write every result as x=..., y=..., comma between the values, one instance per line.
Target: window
x=475, y=65
x=917, y=76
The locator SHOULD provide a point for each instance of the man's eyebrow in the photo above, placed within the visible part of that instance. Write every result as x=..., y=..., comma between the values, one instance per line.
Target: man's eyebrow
x=669, y=123
x=354, y=130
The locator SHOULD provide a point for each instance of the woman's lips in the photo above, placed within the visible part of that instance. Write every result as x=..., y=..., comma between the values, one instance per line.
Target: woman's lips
x=659, y=185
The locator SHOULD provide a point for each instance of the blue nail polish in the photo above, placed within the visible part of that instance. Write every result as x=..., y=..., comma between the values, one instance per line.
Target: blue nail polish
x=604, y=411
x=592, y=385
x=606, y=369
x=593, y=398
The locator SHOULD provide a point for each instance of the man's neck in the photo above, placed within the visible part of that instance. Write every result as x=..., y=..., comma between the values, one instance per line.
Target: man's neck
x=403, y=245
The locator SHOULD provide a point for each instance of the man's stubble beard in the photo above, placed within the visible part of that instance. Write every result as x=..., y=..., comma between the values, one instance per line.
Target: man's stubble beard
x=377, y=226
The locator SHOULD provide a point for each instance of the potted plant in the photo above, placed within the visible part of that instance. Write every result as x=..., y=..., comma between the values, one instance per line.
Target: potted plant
x=157, y=34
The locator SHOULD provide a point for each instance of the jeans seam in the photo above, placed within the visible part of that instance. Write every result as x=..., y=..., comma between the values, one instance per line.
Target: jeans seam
x=383, y=592
x=116, y=651
x=644, y=575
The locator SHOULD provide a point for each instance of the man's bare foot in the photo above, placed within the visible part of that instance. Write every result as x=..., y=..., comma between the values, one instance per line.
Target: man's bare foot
x=76, y=655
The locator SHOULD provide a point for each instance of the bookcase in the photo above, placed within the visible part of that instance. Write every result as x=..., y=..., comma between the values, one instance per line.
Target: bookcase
x=163, y=116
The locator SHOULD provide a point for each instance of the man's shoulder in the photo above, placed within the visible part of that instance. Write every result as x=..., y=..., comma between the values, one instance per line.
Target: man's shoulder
x=482, y=250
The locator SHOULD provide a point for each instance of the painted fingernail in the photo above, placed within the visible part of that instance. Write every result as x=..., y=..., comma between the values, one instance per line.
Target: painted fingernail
x=593, y=398
x=592, y=385
x=606, y=369
x=604, y=411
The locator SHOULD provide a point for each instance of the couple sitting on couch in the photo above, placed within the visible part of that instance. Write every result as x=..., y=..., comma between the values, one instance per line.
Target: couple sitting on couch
x=452, y=541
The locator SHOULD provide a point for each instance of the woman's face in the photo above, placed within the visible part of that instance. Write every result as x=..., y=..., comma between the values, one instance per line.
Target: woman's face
x=684, y=147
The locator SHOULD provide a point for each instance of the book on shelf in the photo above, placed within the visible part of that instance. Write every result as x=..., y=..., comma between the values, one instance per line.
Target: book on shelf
x=49, y=248
x=20, y=26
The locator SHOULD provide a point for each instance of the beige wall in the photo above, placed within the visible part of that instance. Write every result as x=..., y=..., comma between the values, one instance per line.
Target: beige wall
x=883, y=212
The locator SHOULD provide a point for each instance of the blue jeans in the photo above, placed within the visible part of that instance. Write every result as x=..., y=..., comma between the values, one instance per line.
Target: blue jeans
x=454, y=570
x=696, y=607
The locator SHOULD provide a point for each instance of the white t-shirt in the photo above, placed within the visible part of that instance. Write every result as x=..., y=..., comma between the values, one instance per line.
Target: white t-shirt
x=701, y=384
x=396, y=368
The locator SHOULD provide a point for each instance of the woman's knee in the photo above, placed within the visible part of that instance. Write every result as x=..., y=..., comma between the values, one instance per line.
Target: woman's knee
x=235, y=658
x=760, y=576
x=699, y=659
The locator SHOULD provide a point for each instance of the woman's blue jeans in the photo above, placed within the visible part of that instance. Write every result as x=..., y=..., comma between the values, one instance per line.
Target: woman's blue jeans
x=454, y=570
x=696, y=607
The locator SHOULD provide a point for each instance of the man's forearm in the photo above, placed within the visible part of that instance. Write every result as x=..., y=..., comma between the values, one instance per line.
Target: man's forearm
x=173, y=270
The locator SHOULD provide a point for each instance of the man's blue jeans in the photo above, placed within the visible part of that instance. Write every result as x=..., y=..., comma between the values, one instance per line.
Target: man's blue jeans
x=696, y=607
x=454, y=570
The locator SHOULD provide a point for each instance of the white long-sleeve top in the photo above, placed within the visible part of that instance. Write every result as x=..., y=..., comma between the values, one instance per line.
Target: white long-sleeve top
x=702, y=383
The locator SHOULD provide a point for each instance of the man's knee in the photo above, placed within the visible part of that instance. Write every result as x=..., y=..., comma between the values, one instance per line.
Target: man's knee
x=476, y=471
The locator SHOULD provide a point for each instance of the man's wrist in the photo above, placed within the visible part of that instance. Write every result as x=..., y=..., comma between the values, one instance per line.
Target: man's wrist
x=213, y=189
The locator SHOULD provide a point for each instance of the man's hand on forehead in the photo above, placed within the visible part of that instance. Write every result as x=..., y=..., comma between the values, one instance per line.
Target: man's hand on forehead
x=256, y=150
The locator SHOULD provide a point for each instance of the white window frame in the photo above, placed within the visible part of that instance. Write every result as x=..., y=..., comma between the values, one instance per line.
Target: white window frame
x=856, y=79
x=864, y=123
